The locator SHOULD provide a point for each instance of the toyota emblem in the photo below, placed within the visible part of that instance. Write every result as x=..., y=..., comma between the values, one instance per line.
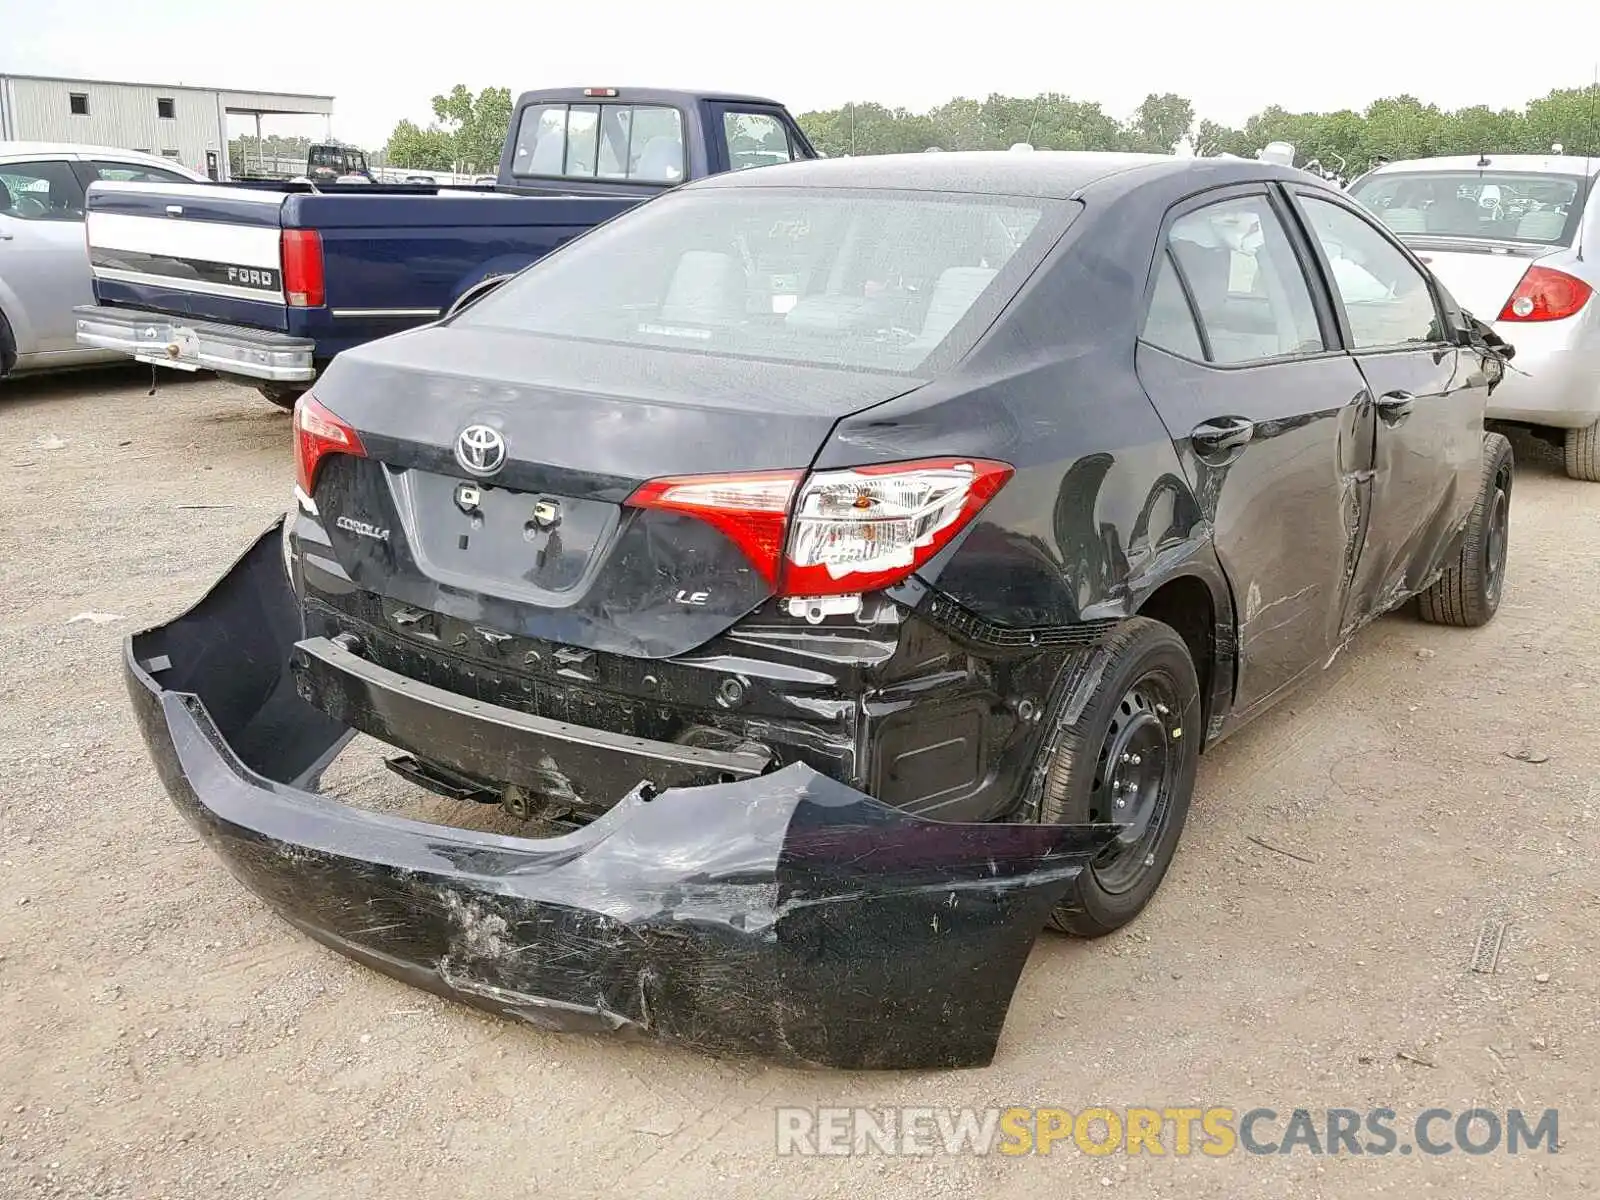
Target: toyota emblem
x=481, y=450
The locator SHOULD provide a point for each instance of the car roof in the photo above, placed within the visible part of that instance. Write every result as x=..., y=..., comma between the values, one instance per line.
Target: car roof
x=1060, y=174
x=15, y=150
x=1558, y=164
x=638, y=95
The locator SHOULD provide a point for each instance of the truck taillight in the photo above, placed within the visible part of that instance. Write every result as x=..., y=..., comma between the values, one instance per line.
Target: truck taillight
x=317, y=434
x=1545, y=294
x=838, y=532
x=302, y=268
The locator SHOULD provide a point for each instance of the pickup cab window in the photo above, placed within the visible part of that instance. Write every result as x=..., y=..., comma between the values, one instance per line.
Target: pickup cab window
x=755, y=140
x=637, y=142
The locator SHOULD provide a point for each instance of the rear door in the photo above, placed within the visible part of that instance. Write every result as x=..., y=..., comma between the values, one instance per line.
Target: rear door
x=1429, y=396
x=42, y=259
x=1272, y=421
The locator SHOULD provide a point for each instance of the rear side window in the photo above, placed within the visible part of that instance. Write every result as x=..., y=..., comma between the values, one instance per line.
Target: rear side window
x=40, y=191
x=865, y=279
x=1250, y=294
x=755, y=140
x=1386, y=300
x=1169, y=325
x=641, y=143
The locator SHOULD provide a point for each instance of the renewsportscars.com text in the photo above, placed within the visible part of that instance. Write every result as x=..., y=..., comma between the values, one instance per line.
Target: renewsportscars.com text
x=1178, y=1131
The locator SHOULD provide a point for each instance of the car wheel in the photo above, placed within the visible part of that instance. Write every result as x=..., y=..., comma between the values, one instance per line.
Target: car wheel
x=1583, y=453
x=8, y=347
x=1468, y=593
x=283, y=397
x=1124, y=751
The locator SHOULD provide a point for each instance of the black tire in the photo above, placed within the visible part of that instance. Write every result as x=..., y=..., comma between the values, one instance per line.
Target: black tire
x=1128, y=716
x=1468, y=593
x=8, y=347
x=281, y=395
x=1582, y=448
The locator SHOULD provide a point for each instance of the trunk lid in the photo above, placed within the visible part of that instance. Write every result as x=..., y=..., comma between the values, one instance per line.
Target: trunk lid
x=1480, y=275
x=544, y=547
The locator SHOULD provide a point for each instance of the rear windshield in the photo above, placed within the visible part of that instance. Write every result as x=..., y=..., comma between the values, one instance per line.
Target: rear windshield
x=1500, y=206
x=875, y=280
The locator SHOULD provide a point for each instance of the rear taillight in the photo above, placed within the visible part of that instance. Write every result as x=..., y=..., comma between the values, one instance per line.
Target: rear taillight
x=750, y=509
x=850, y=531
x=1545, y=294
x=302, y=268
x=317, y=434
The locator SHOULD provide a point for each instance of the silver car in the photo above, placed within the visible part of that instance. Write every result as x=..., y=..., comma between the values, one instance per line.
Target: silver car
x=44, y=259
x=1513, y=239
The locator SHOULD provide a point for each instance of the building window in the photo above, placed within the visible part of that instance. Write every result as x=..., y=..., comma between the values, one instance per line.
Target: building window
x=169, y=154
x=166, y=107
x=79, y=103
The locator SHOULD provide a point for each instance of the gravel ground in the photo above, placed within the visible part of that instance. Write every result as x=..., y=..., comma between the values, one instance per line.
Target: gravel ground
x=163, y=1034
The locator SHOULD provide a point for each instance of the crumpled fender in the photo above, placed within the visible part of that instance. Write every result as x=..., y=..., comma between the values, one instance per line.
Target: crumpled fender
x=787, y=916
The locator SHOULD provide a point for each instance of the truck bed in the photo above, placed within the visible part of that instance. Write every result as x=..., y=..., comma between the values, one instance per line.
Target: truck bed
x=390, y=256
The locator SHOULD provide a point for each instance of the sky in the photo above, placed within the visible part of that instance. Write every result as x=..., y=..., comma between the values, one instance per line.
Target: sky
x=382, y=61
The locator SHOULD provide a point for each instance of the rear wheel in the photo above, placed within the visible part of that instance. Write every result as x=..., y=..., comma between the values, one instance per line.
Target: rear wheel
x=1128, y=757
x=281, y=395
x=8, y=347
x=1468, y=593
x=1583, y=453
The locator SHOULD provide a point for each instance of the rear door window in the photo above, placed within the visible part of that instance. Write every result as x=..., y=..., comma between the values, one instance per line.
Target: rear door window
x=40, y=191
x=1250, y=293
x=639, y=143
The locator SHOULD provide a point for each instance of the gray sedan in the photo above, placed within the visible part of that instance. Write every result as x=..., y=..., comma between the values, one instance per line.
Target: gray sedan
x=44, y=262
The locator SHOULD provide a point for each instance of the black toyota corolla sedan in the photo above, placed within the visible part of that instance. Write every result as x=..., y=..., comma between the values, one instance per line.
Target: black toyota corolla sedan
x=842, y=566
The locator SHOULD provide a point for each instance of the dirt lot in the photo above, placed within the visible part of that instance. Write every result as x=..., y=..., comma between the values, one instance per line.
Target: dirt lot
x=163, y=1034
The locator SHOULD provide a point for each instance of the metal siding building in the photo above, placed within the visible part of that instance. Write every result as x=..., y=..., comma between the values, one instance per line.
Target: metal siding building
x=131, y=115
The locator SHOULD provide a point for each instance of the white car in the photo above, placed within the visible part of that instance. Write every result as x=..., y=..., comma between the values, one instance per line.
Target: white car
x=1515, y=238
x=44, y=258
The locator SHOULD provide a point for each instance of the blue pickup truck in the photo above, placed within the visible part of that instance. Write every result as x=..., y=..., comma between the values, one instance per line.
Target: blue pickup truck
x=267, y=282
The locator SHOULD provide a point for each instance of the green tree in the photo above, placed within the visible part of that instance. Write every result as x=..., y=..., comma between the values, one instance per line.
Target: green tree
x=1160, y=123
x=430, y=149
x=476, y=125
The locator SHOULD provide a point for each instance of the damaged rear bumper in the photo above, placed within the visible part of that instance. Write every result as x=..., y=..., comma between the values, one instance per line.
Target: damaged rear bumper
x=785, y=915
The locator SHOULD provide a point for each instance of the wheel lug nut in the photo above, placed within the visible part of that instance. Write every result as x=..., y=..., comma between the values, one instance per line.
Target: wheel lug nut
x=1122, y=804
x=1162, y=710
x=1135, y=759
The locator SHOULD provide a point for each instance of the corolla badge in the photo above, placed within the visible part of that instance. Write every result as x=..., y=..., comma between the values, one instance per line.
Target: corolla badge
x=481, y=450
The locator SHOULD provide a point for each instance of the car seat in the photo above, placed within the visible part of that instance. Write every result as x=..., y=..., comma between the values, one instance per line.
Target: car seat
x=1544, y=226
x=707, y=288
x=661, y=161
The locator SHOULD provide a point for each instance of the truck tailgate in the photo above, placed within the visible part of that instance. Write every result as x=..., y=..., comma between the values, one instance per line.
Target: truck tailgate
x=212, y=253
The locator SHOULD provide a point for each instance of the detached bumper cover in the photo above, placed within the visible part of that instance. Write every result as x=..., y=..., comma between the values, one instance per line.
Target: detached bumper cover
x=170, y=341
x=786, y=916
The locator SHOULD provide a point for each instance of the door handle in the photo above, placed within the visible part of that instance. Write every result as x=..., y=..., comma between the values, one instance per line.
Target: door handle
x=1220, y=435
x=7, y=237
x=1395, y=407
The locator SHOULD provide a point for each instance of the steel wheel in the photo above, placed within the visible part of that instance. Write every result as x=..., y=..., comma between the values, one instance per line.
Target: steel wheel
x=1133, y=779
